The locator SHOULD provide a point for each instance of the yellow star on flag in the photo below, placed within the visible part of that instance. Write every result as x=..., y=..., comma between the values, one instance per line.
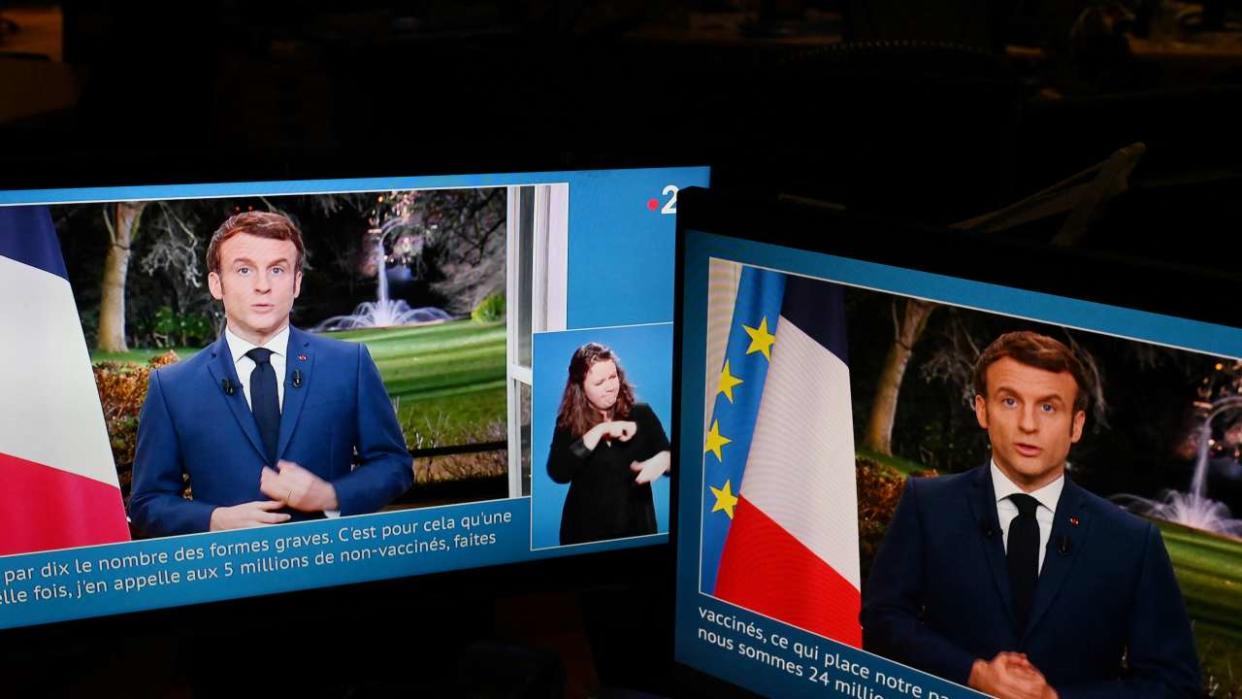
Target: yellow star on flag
x=725, y=499
x=760, y=339
x=715, y=441
x=727, y=382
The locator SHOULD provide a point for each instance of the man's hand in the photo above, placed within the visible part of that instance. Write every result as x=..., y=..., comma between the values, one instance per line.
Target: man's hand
x=1020, y=664
x=651, y=469
x=248, y=514
x=1010, y=676
x=298, y=488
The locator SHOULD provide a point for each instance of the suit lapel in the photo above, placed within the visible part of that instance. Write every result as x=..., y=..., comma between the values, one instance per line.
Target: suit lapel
x=1069, y=531
x=221, y=367
x=298, y=364
x=983, y=507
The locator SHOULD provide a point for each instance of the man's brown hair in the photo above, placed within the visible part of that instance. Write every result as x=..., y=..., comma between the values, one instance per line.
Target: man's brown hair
x=264, y=224
x=1039, y=351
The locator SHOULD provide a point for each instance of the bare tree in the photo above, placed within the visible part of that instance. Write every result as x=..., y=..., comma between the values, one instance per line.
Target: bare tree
x=175, y=250
x=953, y=362
x=122, y=230
x=908, y=327
x=1096, y=401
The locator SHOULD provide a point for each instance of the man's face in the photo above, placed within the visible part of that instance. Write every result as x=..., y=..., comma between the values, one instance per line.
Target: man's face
x=257, y=282
x=1030, y=418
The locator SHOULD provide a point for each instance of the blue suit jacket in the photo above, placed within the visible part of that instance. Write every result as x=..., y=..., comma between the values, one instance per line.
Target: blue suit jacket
x=338, y=423
x=938, y=595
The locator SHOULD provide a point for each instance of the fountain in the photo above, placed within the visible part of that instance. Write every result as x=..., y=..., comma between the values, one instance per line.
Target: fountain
x=383, y=312
x=1193, y=508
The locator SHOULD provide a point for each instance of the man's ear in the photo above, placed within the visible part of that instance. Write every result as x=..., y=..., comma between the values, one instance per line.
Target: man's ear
x=215, y=285
x=297, y=284
x=1080, y=418
x=981, y=411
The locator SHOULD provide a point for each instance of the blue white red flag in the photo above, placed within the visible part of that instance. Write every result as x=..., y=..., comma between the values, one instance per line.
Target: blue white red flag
x=60, y=483
x=780, y=514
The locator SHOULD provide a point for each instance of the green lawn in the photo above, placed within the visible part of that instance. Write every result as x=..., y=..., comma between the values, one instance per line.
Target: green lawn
x=477, y=416
x=1209, y=571
x=905, y=467
x=448, y=379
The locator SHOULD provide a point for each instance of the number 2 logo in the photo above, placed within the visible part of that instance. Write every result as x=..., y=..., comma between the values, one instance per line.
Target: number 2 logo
x=670, y=207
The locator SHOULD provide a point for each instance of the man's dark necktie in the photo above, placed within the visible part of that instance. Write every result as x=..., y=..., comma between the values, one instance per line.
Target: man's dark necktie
x=264, y=402
x=1023, y=556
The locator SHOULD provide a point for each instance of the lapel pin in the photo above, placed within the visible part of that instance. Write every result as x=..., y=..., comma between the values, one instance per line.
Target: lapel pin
x=1073, y=521
x=301, y=357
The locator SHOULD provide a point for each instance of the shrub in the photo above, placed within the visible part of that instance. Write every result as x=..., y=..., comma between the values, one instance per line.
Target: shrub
x=168, y=328
x=879, y=491
x=122, y=390
x=490, y=309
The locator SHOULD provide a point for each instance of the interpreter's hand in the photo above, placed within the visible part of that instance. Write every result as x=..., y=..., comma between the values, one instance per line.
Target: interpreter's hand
x=298, y=488
x=620, y=430
x=248, y=514
x=651, y=469
x=1009, y=676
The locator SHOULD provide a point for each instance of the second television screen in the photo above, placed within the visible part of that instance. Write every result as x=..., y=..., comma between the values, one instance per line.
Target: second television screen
x=853, y=436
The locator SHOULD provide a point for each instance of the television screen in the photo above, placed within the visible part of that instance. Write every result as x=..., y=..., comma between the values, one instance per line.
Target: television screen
x=223, y=390
x=917, y=463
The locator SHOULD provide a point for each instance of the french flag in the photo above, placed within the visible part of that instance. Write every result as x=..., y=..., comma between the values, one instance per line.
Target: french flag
x=60, y=484
x=780, y=513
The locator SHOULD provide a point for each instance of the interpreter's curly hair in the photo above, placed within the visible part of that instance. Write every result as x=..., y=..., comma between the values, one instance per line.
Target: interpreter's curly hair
x=576, y=413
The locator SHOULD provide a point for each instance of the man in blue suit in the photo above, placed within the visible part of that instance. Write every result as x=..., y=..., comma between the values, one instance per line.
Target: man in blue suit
x=1013, y=580
x=269, y=423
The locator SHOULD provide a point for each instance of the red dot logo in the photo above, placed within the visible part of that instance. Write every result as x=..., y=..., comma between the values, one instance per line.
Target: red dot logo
x=653, y=204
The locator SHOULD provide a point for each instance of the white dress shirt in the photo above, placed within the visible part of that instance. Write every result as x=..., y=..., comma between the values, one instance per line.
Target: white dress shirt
x=1006, y=510
x=279, y=346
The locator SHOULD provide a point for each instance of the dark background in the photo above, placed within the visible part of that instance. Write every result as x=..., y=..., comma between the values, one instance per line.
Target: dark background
x=936, y=111
x=1140, y=434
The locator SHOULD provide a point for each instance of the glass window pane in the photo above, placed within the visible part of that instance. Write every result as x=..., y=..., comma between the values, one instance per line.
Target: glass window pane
x=526, y=263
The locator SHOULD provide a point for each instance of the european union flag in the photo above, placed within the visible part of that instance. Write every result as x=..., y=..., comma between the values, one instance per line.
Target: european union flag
x=739, y=388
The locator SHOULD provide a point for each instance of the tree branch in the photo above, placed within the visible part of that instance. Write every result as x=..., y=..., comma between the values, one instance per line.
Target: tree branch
x=108, y=224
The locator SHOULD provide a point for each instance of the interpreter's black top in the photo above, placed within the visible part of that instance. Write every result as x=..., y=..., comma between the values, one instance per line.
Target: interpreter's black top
x=603, y=501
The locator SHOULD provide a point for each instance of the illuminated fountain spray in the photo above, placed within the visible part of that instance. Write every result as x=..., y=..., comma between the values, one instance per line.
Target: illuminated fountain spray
x=383, y=312
x=1193, y=508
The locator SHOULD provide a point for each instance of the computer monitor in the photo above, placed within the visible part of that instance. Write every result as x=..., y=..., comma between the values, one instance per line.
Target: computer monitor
x=914, y=461
x=412, y=418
